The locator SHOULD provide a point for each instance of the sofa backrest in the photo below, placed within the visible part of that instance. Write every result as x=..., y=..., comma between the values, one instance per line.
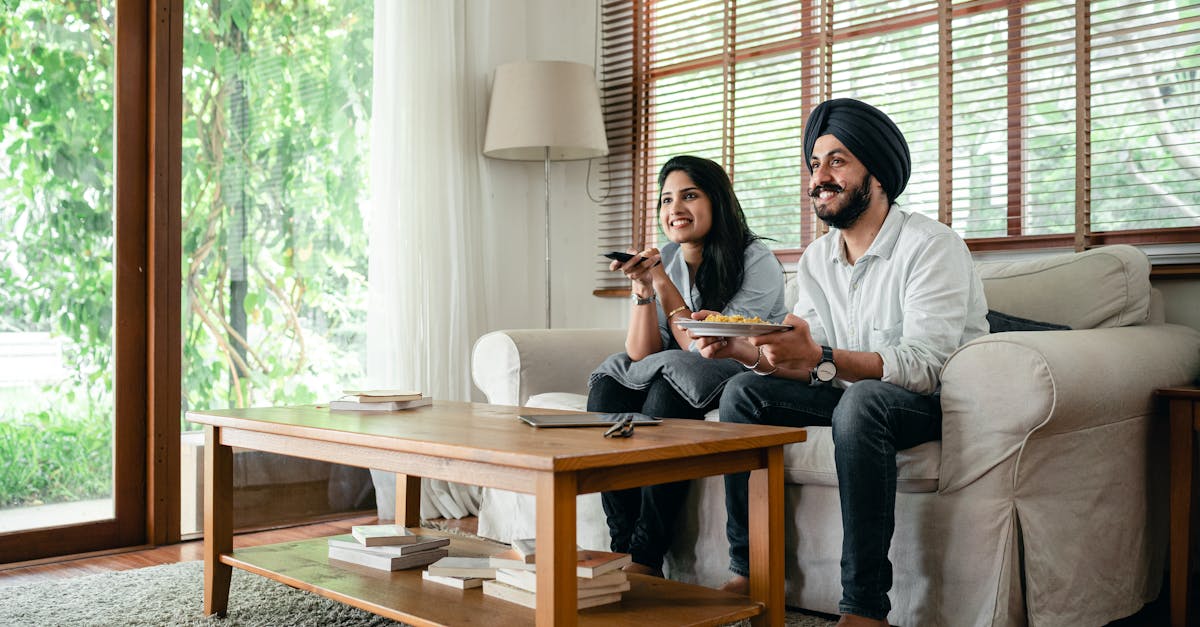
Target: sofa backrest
x=1102, y=287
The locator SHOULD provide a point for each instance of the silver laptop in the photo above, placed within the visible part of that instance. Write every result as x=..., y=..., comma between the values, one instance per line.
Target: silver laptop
x=585, y=420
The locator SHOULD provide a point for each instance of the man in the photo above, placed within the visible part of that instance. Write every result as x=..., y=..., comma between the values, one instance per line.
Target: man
x=885, y=297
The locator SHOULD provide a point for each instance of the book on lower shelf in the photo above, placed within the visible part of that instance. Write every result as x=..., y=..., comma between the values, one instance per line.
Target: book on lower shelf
x=382, y=561
x=351, y=405
x=616, y=581
x=512, y=594
x=457, y=566
x=380, y=535
x=595, y=563
x=591, y=563
x=423, y=543
x=526, y=549
x=462, y=583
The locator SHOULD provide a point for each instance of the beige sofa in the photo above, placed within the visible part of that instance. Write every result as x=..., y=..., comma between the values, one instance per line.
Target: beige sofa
x=1043, y=504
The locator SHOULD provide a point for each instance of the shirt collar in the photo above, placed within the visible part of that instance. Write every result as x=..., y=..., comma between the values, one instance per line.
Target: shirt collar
x=883, y=245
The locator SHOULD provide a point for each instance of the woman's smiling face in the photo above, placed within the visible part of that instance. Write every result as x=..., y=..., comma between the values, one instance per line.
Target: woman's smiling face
x=684, y=210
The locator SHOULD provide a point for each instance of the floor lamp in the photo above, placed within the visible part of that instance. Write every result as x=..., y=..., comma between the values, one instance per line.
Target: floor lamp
x=545, y=111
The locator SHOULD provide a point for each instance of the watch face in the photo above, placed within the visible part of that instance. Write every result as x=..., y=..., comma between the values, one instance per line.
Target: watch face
x=826, y=371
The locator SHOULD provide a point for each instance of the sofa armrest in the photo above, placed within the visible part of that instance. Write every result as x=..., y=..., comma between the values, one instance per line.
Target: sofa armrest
x=512, y=365
x=1003, y=389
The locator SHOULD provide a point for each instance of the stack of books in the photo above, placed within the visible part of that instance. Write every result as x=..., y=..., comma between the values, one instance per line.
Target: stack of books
x=387, y=547
x=599, y=578
x=379, y=400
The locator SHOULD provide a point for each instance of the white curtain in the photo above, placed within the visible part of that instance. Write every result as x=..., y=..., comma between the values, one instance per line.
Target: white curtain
x=427, y=193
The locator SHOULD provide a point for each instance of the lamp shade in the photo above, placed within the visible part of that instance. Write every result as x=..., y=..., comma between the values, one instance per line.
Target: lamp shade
x=545, y=104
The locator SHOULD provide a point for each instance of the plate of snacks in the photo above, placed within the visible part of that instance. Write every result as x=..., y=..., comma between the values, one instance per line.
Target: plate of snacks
x=716, y=325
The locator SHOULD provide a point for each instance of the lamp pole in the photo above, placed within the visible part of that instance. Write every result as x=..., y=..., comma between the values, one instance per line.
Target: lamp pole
x=547, y=162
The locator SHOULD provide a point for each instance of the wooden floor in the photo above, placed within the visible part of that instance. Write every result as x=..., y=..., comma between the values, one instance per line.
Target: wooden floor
x=74, y=566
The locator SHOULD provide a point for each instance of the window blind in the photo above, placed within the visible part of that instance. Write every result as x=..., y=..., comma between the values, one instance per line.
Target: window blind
x=1145, y=125
x=1031, y=122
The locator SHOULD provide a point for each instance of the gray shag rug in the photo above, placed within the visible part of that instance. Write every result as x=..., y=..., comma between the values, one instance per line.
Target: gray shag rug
x=170, y=595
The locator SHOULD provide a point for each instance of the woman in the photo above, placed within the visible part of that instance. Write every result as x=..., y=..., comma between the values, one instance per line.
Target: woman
x=713, y=263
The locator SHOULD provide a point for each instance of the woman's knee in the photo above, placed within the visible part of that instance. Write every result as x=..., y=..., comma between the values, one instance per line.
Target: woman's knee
x=607, y=394
x=664, y=401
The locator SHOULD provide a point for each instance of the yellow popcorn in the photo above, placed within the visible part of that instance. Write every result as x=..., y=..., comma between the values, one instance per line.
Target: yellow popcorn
x=735, y=318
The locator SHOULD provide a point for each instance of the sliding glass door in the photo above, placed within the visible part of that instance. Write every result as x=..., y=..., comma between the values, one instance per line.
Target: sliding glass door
x=73, y=265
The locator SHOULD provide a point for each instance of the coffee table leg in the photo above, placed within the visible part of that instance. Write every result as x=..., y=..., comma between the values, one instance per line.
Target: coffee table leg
x=408, y=500
x=556, y=599
x=218, y=521
x=766, y=539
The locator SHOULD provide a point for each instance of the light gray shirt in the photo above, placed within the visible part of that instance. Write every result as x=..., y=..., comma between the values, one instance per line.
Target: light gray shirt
x=914, y=297
x=761, y=292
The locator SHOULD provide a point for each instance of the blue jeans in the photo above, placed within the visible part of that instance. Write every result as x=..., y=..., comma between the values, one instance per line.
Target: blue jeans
x=871, y=421
x=641, y=521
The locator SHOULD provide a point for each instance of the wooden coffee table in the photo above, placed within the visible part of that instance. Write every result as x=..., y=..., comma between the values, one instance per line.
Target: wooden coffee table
x=486, y=445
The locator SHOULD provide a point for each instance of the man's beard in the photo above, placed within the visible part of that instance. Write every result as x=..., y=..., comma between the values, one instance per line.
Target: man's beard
x=856, y=204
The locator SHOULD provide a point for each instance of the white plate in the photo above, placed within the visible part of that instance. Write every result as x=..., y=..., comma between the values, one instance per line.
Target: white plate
x=729, y=329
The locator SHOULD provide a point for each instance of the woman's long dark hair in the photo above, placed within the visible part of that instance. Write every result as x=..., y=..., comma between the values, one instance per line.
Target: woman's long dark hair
x=720, y=273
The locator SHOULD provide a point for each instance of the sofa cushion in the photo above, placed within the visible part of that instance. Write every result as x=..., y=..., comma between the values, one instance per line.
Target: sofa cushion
x=1102, y=287
x=810, y=462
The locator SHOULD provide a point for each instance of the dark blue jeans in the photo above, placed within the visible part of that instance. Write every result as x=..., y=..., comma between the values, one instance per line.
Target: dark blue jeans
x=641, y=520
x=871, y=421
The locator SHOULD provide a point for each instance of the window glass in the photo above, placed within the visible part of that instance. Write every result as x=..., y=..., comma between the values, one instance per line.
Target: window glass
x=276, y=116
x=56, y=263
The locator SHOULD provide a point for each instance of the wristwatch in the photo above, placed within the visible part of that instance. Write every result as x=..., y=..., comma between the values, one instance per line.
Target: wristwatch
x=638, y=300
x=826, y=370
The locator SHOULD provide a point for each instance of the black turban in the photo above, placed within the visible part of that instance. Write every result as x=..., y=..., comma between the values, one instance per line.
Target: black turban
x=866, y=132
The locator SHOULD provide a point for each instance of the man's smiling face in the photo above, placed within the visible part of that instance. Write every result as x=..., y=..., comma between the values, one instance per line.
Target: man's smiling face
x=840, y=185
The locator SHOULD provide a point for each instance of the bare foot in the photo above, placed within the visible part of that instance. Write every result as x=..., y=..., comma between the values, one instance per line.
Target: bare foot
x=642, y=569
x=854, y=620
x=737, y=585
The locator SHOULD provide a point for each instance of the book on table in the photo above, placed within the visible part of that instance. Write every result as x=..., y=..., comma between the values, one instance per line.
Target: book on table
x=457, y=566
x=500, y=590
x=423, y=543
x=379, y=396
x=350, y=405
x=381, y=535
x=591, y=563
x=371, y=559
x=462, y=583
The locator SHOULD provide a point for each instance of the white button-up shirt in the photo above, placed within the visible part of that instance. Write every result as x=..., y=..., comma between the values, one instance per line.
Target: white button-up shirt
x=914, y=297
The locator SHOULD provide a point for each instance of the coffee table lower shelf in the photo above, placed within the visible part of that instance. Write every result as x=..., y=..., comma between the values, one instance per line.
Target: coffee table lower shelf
x=404, y=596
